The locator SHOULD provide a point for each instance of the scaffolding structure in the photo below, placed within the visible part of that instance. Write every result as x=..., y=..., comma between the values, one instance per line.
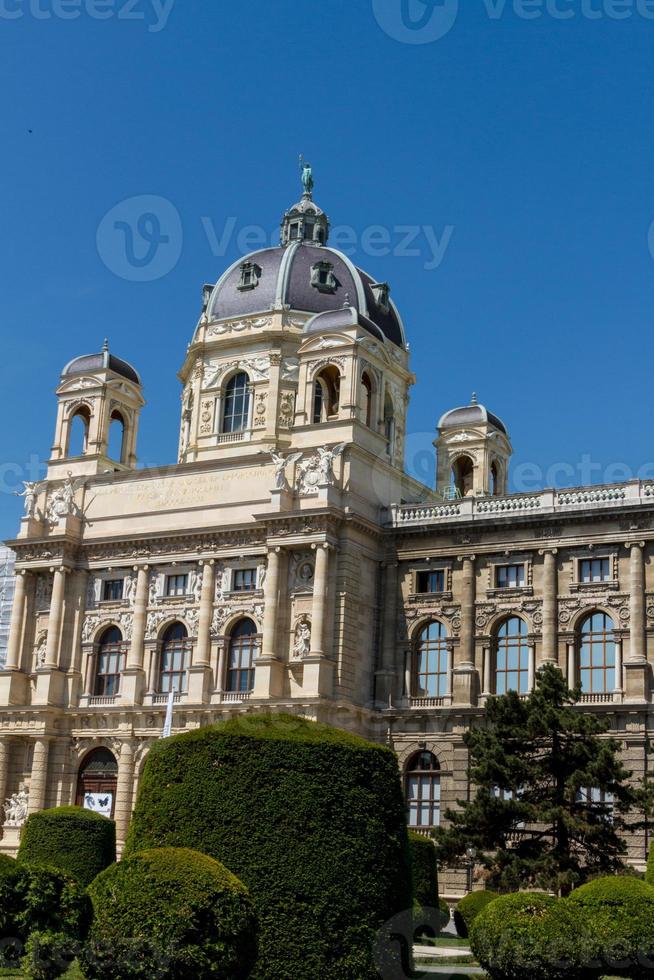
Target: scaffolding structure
x=7, y=585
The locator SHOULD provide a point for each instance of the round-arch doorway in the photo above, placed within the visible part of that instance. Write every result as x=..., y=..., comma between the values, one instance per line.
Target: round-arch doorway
x=97, y=781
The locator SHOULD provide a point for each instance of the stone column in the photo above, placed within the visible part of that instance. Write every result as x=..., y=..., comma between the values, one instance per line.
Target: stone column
x=221, y=676
x=636, y=669
x=137, y=650
x=55, y=618
x=124, y=791
x=531, y=670
x=17, y=627
x=39, y=776
x=486, y=686
x=549, y=650
x=5, y=756
x=385, y=676
x=199, y=673
x=268, y=676
x=572, y=664
x=318, y=677
x=464, y=666
x=637, y=604
x=618, y=665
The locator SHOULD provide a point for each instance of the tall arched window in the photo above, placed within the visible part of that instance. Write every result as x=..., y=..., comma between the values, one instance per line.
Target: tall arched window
x=430, y=662
x=242, y=654
x=512, y=657
x=116, y=442
x=462, y=476
x=423, y=790
x=236, y=411
x=597, y=654
x=78, y=432
x=175, y=659
x=326, y=394
x=366, y=399
x=110, y=663
x=389, y=424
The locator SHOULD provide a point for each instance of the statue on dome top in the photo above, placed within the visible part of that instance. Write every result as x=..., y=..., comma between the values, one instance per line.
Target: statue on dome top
x=307, y=176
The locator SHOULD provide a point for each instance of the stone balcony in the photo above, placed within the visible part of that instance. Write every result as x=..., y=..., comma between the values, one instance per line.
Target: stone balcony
x=623, y=496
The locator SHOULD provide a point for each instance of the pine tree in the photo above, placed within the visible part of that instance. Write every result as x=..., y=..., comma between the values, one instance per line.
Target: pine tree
x=551, y=792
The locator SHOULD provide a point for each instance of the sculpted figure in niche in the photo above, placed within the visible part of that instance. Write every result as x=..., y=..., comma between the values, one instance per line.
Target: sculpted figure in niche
x=16, y=809
x=302, y=646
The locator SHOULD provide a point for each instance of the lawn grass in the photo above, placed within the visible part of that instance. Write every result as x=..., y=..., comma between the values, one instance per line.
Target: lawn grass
x=452, y=941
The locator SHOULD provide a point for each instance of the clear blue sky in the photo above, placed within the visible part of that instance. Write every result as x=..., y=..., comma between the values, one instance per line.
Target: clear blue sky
x=527, y=141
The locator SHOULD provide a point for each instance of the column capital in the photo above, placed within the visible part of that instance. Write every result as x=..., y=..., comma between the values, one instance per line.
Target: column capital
x=275, y=549
x=631, y=545
x=141, y=568
x=467, y=558
x=322, y=546
x=206, y=561
x=548, y=551
x=64, y=569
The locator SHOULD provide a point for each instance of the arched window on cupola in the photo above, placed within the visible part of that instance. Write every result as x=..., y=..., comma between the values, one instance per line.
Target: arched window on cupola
x=389, y=424
x=462, y=476
x=116, y=440
x=236, y=407
x=326, y=394
x=366, y=400
x=78, y=432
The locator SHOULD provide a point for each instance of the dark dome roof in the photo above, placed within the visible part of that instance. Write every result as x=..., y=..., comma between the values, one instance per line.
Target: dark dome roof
x=284, y=279
x=104, y=361
x=473, y=414
x=341, y=319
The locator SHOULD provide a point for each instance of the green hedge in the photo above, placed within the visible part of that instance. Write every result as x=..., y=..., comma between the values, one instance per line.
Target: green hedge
x=310, y=818
x=170, y=914
x=47, y=902
x=7, y=865
x=649, y=873
x=423, y=870
x=469, y=908
x=621, y=910
x=78, y=841
x=532, y=935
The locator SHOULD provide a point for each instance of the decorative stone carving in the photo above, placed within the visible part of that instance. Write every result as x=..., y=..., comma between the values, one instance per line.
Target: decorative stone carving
x=257, y=323
x=286, y=410
x=154, y=596
x=260, y=408
x=618, y=605
x=257, y=367
x=281, y=464
x=318, y=470
x=206, y=417
x=156, y=619
x=301, y=570
x=16, y=809
x=195, y=584
x=29, y=493
x=39, y=653
x=302, y=644
x=43, y=592
x=290, y=369
x=61, y=503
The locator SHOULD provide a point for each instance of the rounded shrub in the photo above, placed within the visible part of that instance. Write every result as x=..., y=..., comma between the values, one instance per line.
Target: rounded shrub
x=621, y=910
x=170, y=914
x=423, y=870
x=469, y=908
x=310, y=818
x=7, y=865
x=47, y=902
x=78, y=841
x=445, y=912
x=533, y=935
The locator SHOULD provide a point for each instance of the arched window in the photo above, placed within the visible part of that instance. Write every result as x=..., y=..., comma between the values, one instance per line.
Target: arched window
x=462, y=476
x=597, y=654
x=97, y=781
x=430, y=662
x=495, y=479
x=512, y=657
x=236, y=411
x=78, y=432
x=110, y=663
x=175, y=659
x=326, y=394
x=116, y=441
x=389, y=424
x=242, y=654
x=366, y=400
x=423, y=790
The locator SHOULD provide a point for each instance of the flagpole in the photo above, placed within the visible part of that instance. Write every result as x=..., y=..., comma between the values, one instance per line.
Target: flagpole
x=168, y=724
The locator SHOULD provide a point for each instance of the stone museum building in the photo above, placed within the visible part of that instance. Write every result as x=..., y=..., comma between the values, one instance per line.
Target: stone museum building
x=287, y=562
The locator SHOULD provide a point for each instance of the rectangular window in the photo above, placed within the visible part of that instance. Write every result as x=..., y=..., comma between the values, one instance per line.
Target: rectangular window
x=595, y=570
x=177, y=585
x=245, y=580
x=112, y=590
x=510, y=576
x=431, y=581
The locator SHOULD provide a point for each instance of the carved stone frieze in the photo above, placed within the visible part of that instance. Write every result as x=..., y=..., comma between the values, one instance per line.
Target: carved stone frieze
x=238, y=326
x=617, y=604
x=301, y=568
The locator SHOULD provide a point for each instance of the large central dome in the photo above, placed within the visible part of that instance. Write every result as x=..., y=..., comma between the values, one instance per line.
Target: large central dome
x=304, y=275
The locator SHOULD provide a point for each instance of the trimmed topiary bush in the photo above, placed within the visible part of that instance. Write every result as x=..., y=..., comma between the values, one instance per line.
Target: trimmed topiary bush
x=78, y=841
x=48, y=902
x=649, y=873
x=469, y=908
x=445, y=912
x=7, y=865
x=533, y=935
x=423, y=870
x=170, y=914
x=310, y=818
x=621, y=910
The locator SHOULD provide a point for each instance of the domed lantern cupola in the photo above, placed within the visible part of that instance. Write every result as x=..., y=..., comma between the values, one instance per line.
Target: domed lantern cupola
x=305, y=221
x=474, y=450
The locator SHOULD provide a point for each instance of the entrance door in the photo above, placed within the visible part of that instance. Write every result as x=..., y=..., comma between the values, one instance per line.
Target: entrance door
x=97, y=781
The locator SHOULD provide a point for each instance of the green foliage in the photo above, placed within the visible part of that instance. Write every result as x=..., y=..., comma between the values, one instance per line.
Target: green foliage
x=532, y=935
x=71, y=838
x=424, y=871
x=48, y=955
x=7, y=865
x=621, y=910
x=445, y=912
x=542, y=751
x=649, y=873
x=310, y=818
x=469, y=908
x=170, y=914
x=47, y=902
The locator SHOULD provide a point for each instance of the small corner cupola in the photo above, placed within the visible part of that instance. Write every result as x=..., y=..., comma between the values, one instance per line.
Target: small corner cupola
x=99, y=402
x=305, y=221
x=474, y=450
